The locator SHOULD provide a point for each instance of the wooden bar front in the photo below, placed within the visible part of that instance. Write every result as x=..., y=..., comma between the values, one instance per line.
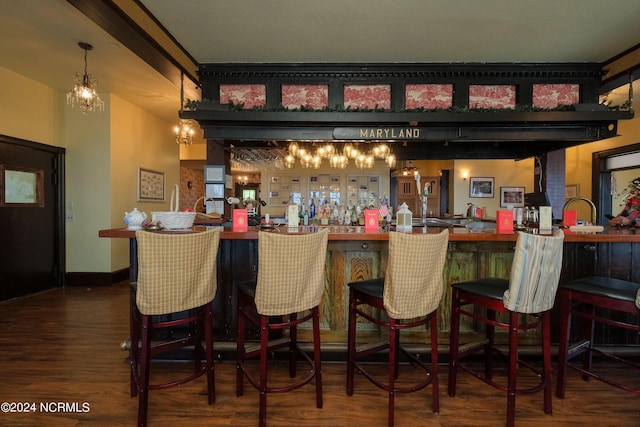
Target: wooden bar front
x=355, y=255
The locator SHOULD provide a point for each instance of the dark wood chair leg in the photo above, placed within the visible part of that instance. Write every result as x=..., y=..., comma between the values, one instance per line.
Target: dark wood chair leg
x=208, y=332
x=134, y=339
x=488, y=350
x=453, y=342
x=435, y=386
x=351, y=343
x=513, y=368
x=563, y=347
x=264, y=353
x=316, y=356
x=546, y=360
x=392, y=367
x=143, y=378
x=293, y=343
x=587, y=356
x=240, y=354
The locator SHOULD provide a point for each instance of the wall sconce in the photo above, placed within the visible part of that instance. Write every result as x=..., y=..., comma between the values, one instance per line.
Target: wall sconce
x=465, y=175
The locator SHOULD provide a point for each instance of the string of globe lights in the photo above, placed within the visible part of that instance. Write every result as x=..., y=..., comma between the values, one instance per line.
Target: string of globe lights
x=312, y=154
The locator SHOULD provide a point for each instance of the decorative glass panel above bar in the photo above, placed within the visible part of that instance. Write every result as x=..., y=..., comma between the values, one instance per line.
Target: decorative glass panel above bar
x=363, y=190
x=325, y=188
x=283, y=188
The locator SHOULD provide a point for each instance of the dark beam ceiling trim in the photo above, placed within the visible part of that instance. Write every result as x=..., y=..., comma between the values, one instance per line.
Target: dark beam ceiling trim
x=621, y=69
x=107, y=15
x=561, y=71
x=442, y=135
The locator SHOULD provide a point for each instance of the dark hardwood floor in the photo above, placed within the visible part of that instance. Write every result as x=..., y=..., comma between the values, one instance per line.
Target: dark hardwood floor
x=62, y=347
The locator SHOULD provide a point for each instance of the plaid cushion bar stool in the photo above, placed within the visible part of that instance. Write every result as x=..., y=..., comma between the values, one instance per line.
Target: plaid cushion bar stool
x=530, y=289
x=587, y=299
x=291, y=279
x=176, y=274
x=410, y=294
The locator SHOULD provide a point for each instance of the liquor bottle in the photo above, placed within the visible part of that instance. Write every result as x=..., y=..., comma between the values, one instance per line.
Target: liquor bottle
x=312, y=209
x=304, y=214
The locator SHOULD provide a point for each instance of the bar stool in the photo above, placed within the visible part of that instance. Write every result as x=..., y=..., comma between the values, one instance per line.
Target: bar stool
x=410, y=293
x=530, y=290
x=583, y=298
x=291, y=279
x=176, y=274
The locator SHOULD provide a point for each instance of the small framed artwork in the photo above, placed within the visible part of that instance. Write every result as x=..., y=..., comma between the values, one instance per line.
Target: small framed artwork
x=571, y=191
x=217, y=206
x=151, y=185
x=21, y=187
x=214, y=174
x=512, y=196
x=481, y=187
x=214, y=191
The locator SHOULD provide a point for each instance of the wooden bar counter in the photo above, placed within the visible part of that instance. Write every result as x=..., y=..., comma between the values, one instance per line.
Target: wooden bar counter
x=353, y=254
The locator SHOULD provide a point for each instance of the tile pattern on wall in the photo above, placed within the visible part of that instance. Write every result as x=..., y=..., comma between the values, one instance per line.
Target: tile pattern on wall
x=492, y=96
x=367, y=96
x=428, y=96
x=552, y=95
x=249, y=95
x=314, y=96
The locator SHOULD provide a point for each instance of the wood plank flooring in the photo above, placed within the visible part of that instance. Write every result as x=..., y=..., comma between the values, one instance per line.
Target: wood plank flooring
x=63, y=346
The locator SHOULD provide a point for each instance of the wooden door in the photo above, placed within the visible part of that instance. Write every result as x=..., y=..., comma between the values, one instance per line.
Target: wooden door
x=407, y=193
x=32, y=249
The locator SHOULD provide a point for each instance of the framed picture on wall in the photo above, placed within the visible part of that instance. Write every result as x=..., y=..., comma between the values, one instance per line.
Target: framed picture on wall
x=571, y=191
x=512, y=196
x=21, y=187
x=481, y=187
x=214, y=174
x=151, y=185
x=214, y=191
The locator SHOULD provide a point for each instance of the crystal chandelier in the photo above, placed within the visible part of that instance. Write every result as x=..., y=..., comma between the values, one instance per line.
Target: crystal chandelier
x=184, y=132
x=84, y=92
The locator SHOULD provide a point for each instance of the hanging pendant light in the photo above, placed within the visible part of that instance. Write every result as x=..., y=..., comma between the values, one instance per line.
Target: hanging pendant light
x=84, y=92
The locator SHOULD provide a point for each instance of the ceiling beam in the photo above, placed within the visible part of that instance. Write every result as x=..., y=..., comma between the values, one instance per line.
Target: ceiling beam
x=133, y=26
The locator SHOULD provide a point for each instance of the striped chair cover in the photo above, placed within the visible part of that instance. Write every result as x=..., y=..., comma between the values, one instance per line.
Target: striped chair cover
x=291, y=272
x=413, y=283
x=535, y=273
x=176, y=272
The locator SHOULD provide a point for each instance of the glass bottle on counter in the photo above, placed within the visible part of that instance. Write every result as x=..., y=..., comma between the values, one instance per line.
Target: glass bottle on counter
x=304, y=213
x=312, y=209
